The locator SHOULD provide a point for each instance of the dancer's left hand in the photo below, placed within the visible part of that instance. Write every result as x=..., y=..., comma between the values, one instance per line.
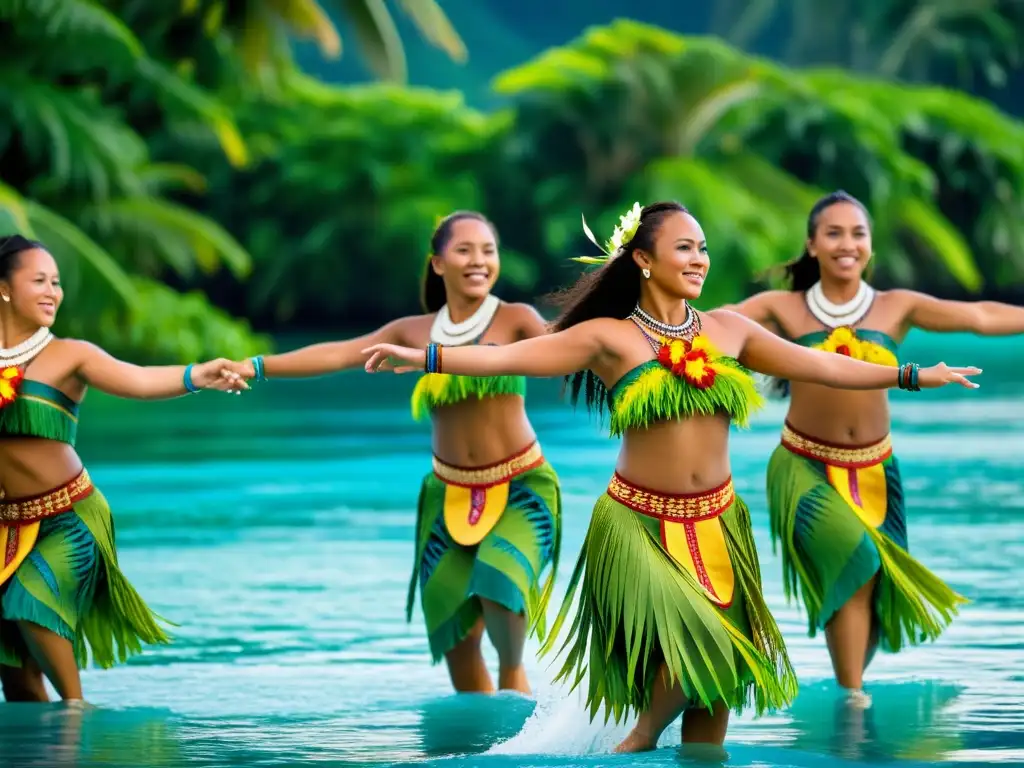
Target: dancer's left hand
x=390, y=357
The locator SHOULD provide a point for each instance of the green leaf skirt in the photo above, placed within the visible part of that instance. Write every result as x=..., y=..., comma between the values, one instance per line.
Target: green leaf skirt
x=837, y=514
x=61, y=573
x=671, y=581
x=486, y=532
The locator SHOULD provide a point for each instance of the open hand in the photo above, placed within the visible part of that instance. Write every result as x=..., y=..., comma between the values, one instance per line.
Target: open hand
x=389, y=357
x=221, y=374
x=940, y=375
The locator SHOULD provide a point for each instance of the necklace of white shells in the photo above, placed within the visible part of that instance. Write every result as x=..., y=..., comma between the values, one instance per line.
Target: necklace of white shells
x=835, y=315
x=21, y=353
x=450, y=334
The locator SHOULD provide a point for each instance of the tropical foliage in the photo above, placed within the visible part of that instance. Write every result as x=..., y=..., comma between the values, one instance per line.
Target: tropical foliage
x=315, y=203
x=103, y=101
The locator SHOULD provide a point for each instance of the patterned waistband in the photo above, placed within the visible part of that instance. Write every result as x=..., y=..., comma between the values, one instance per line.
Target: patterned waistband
x=849, y=456
x=493, y=474
x=62, y=499
x=688, y=507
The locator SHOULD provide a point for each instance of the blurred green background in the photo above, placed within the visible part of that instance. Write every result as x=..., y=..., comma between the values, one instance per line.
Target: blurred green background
x=209, y=172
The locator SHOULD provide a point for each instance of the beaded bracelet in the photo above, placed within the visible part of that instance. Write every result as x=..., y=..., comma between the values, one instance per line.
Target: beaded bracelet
x=187, y=379
x=909, y=375
x=258, y=368
x=433, y=361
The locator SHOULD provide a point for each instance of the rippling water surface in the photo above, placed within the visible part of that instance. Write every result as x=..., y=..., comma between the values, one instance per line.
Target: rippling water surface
x=276, y=529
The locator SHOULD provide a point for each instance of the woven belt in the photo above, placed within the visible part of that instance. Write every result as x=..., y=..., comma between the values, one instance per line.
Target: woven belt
x=851, y=456
x=688, y=507
x=62, y=499
x=493, y=474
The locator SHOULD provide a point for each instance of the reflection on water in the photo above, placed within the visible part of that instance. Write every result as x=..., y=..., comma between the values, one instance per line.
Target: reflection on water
x=276, y=530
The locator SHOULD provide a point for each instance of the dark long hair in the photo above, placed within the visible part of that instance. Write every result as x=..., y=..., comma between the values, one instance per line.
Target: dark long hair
x=11, y=247
x=433, y=296
x=805, y=271
x=611, y=290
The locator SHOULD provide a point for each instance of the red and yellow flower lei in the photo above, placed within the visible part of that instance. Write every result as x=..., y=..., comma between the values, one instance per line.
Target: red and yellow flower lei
x=689, y=360
x=10, y=381
x=844, y=341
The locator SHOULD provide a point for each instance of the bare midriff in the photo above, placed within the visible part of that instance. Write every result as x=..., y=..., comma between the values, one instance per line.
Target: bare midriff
x=689, y=456
x=839, y=416
x=31, y=466
x=481, y=432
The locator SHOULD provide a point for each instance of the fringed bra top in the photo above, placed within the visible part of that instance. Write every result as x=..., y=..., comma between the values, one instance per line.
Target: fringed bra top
x=436, y=389
x=687, y=378
x=33, y=409
x=858, y=343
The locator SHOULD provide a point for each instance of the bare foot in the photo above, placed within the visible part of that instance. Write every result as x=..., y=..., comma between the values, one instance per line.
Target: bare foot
x=514, y=679
x=637, y=742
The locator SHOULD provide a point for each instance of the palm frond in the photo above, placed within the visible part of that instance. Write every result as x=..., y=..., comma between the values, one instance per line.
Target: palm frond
x=435, y=26
x=68, y=241
x=181, y=235
x=79, y=141
x=928, y=225
x=83, y=20
x=377, y=37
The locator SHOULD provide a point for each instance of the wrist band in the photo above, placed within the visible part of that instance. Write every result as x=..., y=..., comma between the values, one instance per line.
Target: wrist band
x=909, y=374
x=187, y=379
x=432, y=364
x=258, y=368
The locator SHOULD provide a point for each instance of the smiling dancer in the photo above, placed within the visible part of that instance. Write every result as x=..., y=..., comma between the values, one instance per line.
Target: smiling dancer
x=489, y=513
x=62, y=593
x=835, y=492
x=671, y=589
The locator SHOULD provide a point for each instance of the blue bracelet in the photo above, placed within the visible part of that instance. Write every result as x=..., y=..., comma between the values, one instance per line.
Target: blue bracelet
x=431, y=362
x=187, y=378
x=258, y=369
x=915, y=371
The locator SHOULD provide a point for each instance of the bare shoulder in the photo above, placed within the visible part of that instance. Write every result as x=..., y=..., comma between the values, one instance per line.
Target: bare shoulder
x=74, y=349
x=522, y=311
x=410, y=325
x=728, y=318
x=899, y=296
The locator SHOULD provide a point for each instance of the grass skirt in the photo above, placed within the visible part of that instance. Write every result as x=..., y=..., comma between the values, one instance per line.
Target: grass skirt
x=838, y=515
x=60, y=572
x=485, y=532
x=674, y=580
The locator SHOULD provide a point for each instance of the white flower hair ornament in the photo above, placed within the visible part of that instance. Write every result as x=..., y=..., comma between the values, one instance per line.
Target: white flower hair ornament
x=629, y=222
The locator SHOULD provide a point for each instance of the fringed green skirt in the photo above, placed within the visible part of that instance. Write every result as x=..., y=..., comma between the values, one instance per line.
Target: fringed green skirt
x=838, y=513
x=60, y=572
x=672, y=580
x=485, y=532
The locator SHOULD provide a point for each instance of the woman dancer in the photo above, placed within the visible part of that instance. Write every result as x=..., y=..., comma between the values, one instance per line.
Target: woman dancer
x=671, y=588
x=62, y=593
x=834, y=488
x=488, y=519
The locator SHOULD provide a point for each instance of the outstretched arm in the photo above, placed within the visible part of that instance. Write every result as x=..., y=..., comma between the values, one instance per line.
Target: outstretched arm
x=329, y=357
x=150, y=382
x=985, y=318
x=767, y=353
x=556, y=354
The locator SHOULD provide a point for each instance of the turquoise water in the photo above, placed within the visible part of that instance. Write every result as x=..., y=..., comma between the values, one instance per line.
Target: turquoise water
x=276, y=529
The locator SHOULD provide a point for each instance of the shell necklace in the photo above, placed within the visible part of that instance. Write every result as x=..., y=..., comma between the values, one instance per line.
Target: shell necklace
x=445, y=332
x=672, y=331
x=652, y=328
x=835, y=315
x=21, y=353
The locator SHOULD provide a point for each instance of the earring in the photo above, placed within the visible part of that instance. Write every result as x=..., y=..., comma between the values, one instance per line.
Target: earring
x=647, y=273
x=7, y=298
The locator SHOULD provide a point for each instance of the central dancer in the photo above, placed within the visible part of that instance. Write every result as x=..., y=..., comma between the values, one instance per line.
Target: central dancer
x=670, y=583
